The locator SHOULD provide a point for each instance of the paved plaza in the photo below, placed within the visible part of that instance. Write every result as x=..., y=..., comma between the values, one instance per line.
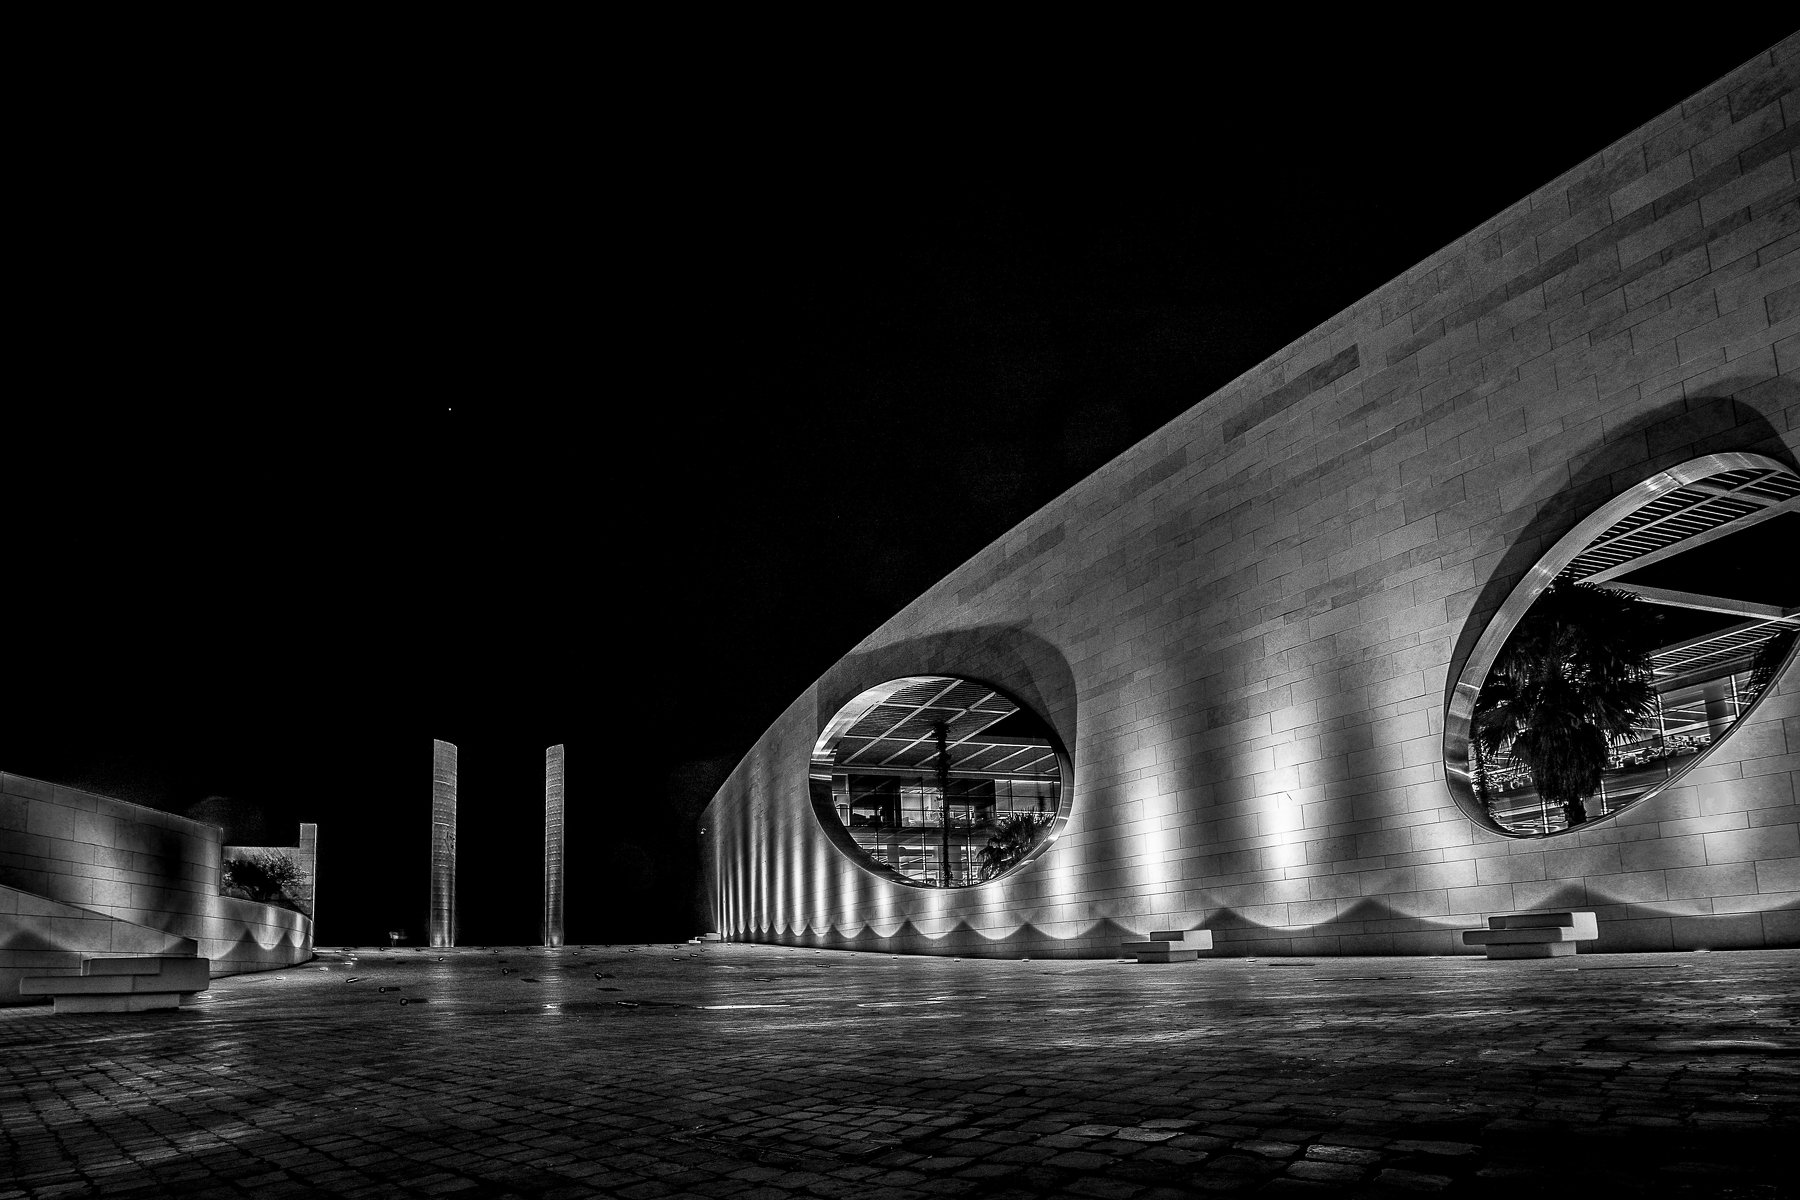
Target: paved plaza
x=760, y=1071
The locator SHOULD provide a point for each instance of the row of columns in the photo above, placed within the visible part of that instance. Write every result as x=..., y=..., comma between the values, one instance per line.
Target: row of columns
x=443, y=845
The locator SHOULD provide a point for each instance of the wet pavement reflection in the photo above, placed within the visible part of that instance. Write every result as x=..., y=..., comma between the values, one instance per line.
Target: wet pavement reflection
x=764, y=1071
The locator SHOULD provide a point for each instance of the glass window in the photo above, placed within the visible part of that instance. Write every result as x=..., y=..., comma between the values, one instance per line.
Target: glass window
x=1668, y=613
x=938, y=781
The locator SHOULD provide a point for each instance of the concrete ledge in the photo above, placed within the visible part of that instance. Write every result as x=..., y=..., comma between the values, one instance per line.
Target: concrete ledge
x=1501, y=937
x=140, y=1002
x=1543, y=920
x=1532, y=950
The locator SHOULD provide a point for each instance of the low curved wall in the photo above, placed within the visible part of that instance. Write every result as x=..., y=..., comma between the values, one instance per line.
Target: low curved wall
x=1246, y=628
x=243, y=935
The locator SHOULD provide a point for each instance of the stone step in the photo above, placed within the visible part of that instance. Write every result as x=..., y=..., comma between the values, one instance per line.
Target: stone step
x=128, y=1002
x=171, y=973
x=1562, y=920
x=1504, y=937
x=1154, y=946
x=1198, y=939
x=1534, y=935
x=143, y=964
x=79, y=985
x=1166, y=956
x=1532, y=949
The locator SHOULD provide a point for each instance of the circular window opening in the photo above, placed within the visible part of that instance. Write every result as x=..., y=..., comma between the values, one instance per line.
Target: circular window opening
x=1630, y=650
x=937, y=781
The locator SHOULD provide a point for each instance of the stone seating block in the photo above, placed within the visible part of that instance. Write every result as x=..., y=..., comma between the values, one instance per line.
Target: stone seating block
x=1534, y=935
x=1169, y=945
x=123, y=984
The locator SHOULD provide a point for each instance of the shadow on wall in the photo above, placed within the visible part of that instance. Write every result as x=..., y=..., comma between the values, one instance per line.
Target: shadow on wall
x=278, y=946
x=1024, y=665
x=1098, y=940
x=1613, y=461
x=1370, y=926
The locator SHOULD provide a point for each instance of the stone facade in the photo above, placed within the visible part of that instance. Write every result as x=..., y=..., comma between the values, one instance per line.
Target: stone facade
x=1246, y=628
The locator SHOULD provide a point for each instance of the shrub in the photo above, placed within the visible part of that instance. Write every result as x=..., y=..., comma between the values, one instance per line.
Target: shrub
x=265, y=876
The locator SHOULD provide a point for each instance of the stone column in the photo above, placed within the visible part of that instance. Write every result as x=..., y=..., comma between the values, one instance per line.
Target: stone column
x=443, y=844
x=308, y=858
x=553, y=846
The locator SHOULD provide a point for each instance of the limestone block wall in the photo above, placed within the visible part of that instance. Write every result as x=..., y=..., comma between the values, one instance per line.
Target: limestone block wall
x=126, y=863
x=1246, y=628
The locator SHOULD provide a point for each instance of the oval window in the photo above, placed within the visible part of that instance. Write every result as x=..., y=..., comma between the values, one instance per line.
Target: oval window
x=1631, y=650
x=938, y=781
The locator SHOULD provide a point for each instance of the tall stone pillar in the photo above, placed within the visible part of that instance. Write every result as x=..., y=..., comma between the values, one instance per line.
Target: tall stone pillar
x=443, y=844
x=553, y=846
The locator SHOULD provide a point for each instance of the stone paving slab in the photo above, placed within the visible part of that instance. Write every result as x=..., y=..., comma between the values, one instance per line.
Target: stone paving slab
x=769, y=1072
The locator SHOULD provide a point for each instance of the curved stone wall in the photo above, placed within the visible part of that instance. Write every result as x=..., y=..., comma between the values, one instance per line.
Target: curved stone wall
x=1246, y=628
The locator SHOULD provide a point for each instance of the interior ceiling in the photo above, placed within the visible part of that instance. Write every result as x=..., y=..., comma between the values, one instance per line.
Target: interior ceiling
x=1715, y=556
x=900, y=733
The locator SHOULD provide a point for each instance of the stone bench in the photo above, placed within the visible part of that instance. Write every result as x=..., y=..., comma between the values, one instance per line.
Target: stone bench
x=135, y=984
x=1169, y=945
x=1534, y=935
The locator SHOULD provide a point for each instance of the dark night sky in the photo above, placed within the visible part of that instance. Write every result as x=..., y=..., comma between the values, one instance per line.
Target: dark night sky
x=617, y=429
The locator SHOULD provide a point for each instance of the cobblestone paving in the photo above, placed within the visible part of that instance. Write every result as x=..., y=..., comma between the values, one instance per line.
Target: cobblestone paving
x=766, y=1072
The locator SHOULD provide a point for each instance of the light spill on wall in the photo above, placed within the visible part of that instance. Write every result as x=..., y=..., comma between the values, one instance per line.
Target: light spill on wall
x=1262, y=610
x=443, y=844
x=553, y=846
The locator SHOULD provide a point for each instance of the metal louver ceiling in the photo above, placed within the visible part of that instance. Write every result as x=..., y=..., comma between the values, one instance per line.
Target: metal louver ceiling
x=899, y=733
x=1687, y=518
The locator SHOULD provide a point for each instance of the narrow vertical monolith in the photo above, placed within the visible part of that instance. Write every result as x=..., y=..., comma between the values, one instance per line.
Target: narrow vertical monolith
x=553, y=846
x=443, y=844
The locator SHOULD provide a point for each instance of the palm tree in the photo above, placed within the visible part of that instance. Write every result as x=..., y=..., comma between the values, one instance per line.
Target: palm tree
x=1575, y=675
x=1012, y=840
x=1768, y=660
